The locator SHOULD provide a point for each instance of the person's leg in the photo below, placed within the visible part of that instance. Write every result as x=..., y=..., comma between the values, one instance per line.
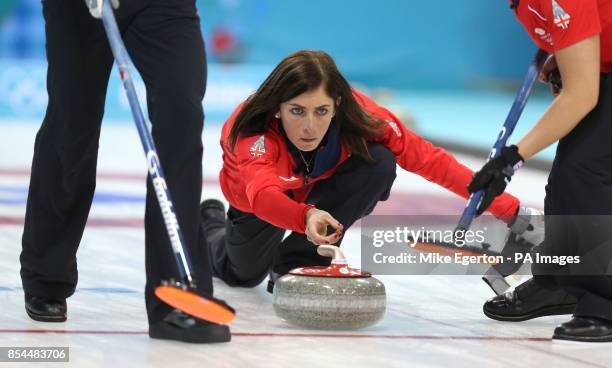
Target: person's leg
x=585, y=213
x=242, y=247
x=582, y=196
x=577, y=223
x=63, y=173
x=539, y=296
x=555, y=229
x=166, y=46
x=349, y=195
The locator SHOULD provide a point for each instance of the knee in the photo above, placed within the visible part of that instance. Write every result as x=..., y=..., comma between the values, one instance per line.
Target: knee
x=177, y=104
x=181, y=91
x=382, y=172
x=385, y=163
x=245, y=278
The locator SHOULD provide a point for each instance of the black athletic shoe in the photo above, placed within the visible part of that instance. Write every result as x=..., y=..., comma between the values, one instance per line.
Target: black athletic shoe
x=45, y=309
x=212, y=208
x=182, y=327
x=585, y=329
x=272, y=277
x=528, y=300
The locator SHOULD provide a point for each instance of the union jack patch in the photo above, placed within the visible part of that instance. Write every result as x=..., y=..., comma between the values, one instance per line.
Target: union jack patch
x=561, y=18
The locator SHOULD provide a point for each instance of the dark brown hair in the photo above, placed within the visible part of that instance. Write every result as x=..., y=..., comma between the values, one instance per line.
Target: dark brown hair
x=298, y=73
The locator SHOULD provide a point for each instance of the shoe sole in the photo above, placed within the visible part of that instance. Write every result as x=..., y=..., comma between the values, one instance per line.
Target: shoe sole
x=167, y=333
x=43, y=318
x=542, y=312
x=563, y=337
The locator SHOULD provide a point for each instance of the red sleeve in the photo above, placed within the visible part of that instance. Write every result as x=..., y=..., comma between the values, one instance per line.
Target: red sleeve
x=275, y=207
x=257, y=157
x=417, y=155
x=572, y=21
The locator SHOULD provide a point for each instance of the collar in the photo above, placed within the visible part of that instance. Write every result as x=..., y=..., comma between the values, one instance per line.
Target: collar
x=327, y=153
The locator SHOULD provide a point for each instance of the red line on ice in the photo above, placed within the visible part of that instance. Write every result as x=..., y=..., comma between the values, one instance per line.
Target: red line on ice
x=280, y=334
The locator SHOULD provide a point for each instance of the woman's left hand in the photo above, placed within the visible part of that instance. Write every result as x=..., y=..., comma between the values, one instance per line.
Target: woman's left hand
x=494, y=176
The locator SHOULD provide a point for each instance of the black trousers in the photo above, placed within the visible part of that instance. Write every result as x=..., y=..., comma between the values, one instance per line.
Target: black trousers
x=165, y=43
x=578, y=207
x=245, y=248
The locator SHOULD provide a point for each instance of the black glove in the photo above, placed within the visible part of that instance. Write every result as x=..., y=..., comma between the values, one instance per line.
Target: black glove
x=495, y=175
x=95, y=6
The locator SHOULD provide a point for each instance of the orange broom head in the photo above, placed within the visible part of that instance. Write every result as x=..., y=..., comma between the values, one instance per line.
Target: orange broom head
x=195, y=305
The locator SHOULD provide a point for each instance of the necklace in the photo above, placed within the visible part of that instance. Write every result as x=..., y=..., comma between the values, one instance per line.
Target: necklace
x=307, y=164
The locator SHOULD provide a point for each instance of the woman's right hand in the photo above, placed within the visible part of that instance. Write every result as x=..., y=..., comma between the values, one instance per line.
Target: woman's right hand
x=316, y=227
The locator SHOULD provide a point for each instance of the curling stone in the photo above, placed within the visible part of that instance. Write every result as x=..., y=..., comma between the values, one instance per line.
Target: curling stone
x=334, y=297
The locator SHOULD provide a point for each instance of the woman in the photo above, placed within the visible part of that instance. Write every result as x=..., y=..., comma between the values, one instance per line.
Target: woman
x=578, y=200
x=306, y=152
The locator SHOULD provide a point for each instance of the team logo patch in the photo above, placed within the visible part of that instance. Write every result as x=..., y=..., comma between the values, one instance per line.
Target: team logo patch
x=561, y=18
x=544, y=36
x=395, y=128
x=259, y=147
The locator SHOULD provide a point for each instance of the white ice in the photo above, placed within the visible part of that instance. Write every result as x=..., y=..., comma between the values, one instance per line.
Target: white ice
x=430, y=320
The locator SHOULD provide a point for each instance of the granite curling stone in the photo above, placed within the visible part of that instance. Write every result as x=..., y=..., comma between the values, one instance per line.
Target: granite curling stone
x=334, y=297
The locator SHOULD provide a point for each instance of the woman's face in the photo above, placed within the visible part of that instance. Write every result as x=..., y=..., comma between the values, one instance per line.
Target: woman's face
x=307, y=117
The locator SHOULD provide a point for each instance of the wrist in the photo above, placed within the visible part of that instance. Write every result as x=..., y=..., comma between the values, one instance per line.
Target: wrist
x=512, y=157
x=308, y=212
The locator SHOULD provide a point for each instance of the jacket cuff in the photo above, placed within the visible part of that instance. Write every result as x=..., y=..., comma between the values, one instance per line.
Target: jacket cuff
x=305, y=208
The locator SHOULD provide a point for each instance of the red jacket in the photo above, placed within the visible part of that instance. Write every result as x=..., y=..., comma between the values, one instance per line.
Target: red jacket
x=556, y=24
x=260, y=170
